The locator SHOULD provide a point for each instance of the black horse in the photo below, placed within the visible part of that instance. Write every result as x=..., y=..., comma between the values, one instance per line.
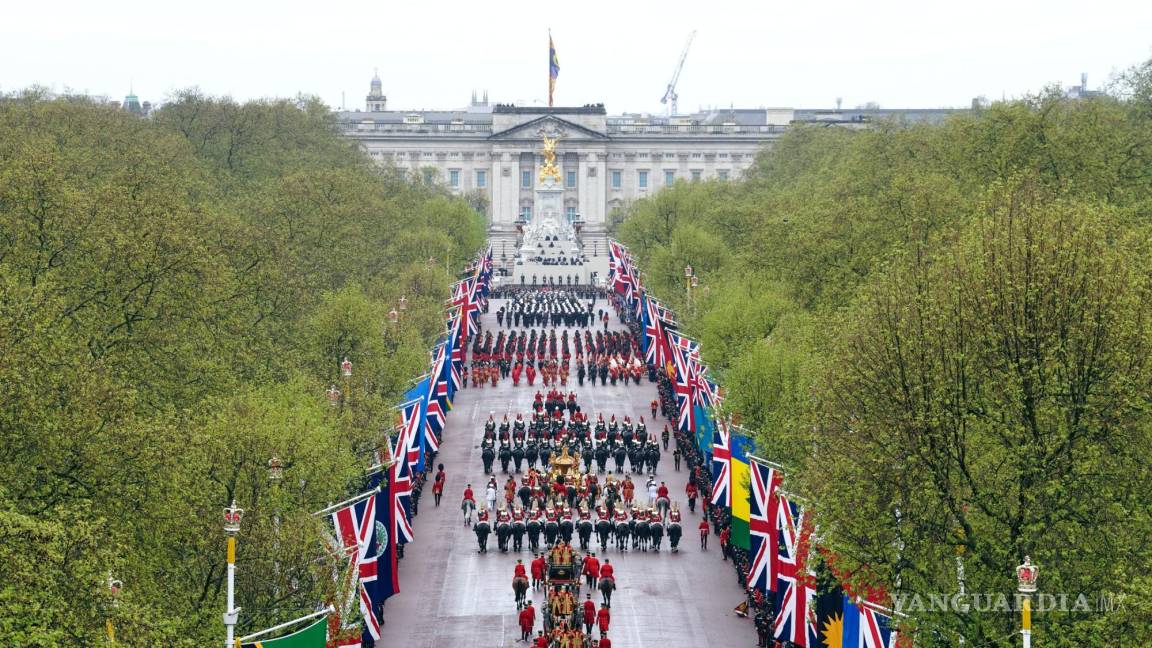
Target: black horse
x=622, y=533
x=653, y=457
x=533, y=529
x=587, y=456
x=531, y=454
x=656, y=535
x=674, y=532
x=517, y=535
x=643, y=532
x=603, y=530
x=551, y=529
x=487, y=455
x=505, y=457
x=618, y=455
x=517, y=456
x=584, y=529
x=566, y=528
x=602, y=457
x=525, y=495
x=503, y=530
x=482, y=530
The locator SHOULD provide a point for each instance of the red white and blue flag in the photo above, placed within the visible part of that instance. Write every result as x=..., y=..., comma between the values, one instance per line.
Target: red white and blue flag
x=795, y=590
x=765, y=481
x=684, y=357
x=722, y=465
x=358, y=533
x=656, y=352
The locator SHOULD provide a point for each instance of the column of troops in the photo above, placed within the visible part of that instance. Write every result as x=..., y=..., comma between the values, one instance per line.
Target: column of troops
x=567, y=622
x=612, y=357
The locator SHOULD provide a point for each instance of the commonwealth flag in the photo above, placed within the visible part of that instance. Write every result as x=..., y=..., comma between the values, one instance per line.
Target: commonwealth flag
x=314, y=636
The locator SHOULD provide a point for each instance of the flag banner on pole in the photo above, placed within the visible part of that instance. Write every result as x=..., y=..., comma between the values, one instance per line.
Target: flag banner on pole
x=795, y=586
x=553, y=68
x=314, y=636
x=764, y=483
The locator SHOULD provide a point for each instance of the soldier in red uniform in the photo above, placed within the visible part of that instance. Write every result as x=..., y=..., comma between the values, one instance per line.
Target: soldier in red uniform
x=655, y=403
x=591, y=570
x=725, y=534
x=589, y=614
x=527, y=620
x=603, y=618
x=537, y=570
x=605, y=642
x=530, y=371
x=704, y=534
x=541, y=640
x=692, y=491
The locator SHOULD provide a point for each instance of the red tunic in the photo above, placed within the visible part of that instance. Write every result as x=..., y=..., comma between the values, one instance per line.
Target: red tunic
x=589, y=612
x=607, y=571
x=592, y=567
x=662, y=491
x=520, y=572
x=527, y=619
x=538, y=568
x=605, y=642
x=604, y=618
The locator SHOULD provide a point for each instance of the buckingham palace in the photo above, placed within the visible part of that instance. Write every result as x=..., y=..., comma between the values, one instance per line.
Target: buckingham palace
x=604, y=161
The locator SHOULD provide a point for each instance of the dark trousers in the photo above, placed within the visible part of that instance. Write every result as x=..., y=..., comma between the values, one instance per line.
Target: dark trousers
x=704, y=540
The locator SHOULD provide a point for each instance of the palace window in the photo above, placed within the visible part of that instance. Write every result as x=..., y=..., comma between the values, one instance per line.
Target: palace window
x=669, y=176
x=526, y=213
x=570, y=179
x=696, y=156
x=429, y=175
x=642, y=179
x=481, y=179
x=616, y=179
x=722, y=156
x=571, y=212
x=454, y=177
x=723, y=174
x=669, y=156
x=526, y=179
x=696, y=174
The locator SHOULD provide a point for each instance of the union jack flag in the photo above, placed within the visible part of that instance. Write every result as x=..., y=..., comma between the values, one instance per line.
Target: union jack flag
x=875, y=628
x=437, y=388
x=709, y=392
x=355, y=527
x=722, y=465
x=620, y=270
x=795, y=593
x=406, y=461
x=683, y=352
x=761, y=524
x=657, y=354
x=464, y=297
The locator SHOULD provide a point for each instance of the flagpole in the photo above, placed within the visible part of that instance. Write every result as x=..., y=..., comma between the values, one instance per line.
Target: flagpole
x=327, y=610
x=350, y=500
x=232, y=517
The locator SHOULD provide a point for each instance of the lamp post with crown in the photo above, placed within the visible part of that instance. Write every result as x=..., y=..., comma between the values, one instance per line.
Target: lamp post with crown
x=114, y=587
x=688, y=276
x=232, y=517
x=1026, y=575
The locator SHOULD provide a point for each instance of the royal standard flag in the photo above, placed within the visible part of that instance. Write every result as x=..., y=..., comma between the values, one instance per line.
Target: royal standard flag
x=314, y=636
x=553, y=68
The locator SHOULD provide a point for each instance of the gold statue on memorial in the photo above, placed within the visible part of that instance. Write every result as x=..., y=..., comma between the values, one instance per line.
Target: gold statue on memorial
x=549, y=168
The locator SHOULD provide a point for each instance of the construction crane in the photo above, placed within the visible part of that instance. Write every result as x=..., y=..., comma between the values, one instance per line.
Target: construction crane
x=670, y=94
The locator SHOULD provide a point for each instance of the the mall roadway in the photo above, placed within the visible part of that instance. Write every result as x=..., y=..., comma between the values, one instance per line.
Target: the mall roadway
x=453, y=597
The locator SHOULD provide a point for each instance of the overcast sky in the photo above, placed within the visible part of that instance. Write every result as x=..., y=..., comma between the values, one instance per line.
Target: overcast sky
x=899, y=53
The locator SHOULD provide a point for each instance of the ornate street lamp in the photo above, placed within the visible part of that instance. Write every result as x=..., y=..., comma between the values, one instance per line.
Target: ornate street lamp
x=403, y=303
x=333, y=395
x=695, y=281
x=232, y=517
x=346, y=368
x=687, y=271
x=393, y=316
x=114, y=587
x=1026, y=575
x=275, y=469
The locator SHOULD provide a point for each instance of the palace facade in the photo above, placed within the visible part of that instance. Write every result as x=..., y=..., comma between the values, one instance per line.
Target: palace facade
x=605, y=161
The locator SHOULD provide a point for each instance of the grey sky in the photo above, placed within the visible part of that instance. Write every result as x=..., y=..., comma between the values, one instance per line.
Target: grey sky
x=900, y=53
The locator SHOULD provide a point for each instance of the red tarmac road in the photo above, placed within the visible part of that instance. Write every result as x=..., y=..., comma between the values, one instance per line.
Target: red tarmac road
x=452, y=596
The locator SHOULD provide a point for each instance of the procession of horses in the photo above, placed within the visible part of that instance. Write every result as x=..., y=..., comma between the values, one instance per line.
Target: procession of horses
x=563, y=486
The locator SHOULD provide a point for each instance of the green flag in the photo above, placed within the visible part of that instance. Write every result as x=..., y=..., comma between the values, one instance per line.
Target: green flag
x=314, y=636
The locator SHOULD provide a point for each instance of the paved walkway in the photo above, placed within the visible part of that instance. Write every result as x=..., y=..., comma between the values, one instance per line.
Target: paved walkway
x=452, y=596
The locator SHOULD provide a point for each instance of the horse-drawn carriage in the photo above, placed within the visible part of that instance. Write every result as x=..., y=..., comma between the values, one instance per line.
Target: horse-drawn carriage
x=562, y=585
